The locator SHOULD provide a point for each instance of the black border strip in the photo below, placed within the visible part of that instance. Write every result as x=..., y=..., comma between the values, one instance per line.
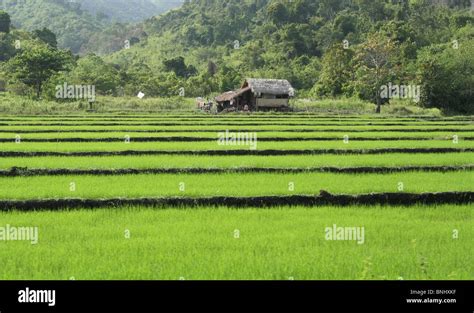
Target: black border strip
x=269, y=130
x=4, y=154
x=239, y=296
x=230, y=123
x=210, y=139
x=20, y=172
x=323, y=199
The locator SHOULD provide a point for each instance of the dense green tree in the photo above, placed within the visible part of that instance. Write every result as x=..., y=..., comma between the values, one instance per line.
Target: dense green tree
x=5, y=22
x=211, y=68
x=375, y=9
x=93, y=70
x=201, y=85
x=278, y=12
x=36, y=64
x=162, y=85
x=446, y=76
x=229, y=78
x=374, y=67
x=7, y=47
x=46, y=36
x=179, y=67
x=336, y=71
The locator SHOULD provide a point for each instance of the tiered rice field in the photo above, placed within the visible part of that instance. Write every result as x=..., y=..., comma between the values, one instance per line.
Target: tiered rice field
x=156, y=197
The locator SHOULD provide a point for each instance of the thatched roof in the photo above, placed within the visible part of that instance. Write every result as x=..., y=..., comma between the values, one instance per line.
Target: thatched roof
x=226, y=96
x=229, y=95
x=269, y=86
x=259, y=86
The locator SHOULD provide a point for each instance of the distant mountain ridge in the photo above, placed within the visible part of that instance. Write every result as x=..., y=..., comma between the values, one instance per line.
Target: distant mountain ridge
x=227, y=40
x=71, y=25
x=77, y=22
x=127, y=10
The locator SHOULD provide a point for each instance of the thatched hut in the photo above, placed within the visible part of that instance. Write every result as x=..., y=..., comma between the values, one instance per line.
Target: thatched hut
x=257, y=94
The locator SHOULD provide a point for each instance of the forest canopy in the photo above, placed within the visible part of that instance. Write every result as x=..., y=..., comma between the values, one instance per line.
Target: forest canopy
x=325, y=48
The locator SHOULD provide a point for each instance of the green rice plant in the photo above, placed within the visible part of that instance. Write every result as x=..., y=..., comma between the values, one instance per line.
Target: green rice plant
x=222, y=243
x=200, y=161
x=215, y=145
x=229, y=184
x=214, y=135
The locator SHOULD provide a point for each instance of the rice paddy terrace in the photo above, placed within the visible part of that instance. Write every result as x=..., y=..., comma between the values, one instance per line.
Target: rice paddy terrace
x=237, y=197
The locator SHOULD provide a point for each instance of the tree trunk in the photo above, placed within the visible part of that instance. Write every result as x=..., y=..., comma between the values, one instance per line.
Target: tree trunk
x=379, y=99
x=38, y=90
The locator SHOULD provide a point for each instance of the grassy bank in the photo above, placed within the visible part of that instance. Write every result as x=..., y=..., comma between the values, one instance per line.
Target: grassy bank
x=12, y=104
x=356, y=106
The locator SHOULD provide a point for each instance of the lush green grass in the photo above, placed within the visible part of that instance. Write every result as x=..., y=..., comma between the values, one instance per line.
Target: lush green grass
x=193, y=161
x=11, y=104
x=230, y=184
x=213, y=145
x=351, y=106
x=413, y=242
x=213, y=135
x=287, y=243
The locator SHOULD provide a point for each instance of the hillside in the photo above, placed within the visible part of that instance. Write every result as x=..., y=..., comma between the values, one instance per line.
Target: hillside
x=85, y=25
x=72, y=26
x=277, y=39
x=127, y=10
